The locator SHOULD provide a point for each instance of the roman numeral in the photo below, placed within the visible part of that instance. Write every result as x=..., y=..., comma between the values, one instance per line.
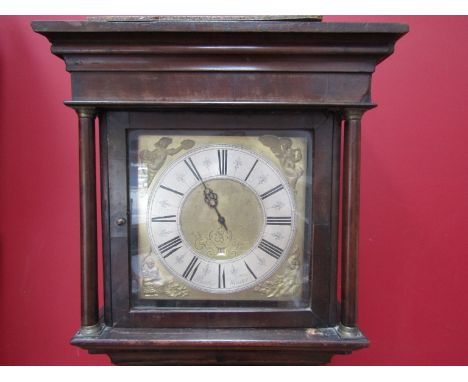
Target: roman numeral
x=279, y=220
x=250, y=270
x=191, y=268
x=164, y=219
x=250, y=172
x=222, y=161
x=221, y=277
x=170, y=246
x=270, y=249
x=274, y=190
x=170, y=189
x=192, y=168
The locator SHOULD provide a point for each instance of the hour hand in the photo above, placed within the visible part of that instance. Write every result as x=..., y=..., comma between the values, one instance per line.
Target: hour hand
x=212, y=200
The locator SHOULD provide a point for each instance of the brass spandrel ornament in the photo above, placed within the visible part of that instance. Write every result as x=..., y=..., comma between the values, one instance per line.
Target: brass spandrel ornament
x=154, y=159
x=289, y=156
x=285, y=283
x=156, y=283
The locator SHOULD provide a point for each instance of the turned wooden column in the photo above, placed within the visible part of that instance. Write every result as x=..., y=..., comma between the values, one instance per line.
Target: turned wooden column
x=350, y=221
x=88, y=225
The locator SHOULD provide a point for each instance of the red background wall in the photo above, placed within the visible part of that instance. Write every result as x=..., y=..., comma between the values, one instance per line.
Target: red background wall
x=414, y=219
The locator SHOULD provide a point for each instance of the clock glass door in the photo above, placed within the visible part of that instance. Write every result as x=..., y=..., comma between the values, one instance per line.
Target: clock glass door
x=219, y=218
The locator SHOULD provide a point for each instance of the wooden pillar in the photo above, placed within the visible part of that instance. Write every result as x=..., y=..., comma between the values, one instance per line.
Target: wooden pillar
x=350, y=221
x=88, y=224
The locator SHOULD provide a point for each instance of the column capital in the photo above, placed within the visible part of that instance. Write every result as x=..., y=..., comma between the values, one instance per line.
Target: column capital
x=86, y=112
x=353, y=113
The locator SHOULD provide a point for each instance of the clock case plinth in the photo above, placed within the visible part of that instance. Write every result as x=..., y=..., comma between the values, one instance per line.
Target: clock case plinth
x=226, y=67
x=221, y=346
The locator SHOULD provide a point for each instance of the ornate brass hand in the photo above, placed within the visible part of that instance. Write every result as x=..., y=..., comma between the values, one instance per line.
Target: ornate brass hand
x=211, y=198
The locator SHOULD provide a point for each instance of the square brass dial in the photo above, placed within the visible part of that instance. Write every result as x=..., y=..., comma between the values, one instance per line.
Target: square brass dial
x=220, y=216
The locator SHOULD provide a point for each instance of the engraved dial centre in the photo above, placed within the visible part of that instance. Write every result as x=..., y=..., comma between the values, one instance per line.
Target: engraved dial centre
x=241, y=211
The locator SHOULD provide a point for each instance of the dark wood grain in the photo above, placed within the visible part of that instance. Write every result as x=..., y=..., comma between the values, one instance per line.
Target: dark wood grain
x=230, y=25
x=89, y=288
x=220, y=346
x=105, y=222
x=183, y=61
x=350, y=230
x=335, y=219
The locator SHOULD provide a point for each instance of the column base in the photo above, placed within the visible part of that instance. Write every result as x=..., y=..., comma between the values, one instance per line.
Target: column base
x=349, y=331
x=91, y=331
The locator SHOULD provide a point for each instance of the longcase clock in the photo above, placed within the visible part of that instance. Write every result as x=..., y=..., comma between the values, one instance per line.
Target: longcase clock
x=220, y=144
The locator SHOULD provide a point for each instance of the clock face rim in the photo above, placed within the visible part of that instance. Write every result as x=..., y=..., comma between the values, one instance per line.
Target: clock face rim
x=156, y=182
